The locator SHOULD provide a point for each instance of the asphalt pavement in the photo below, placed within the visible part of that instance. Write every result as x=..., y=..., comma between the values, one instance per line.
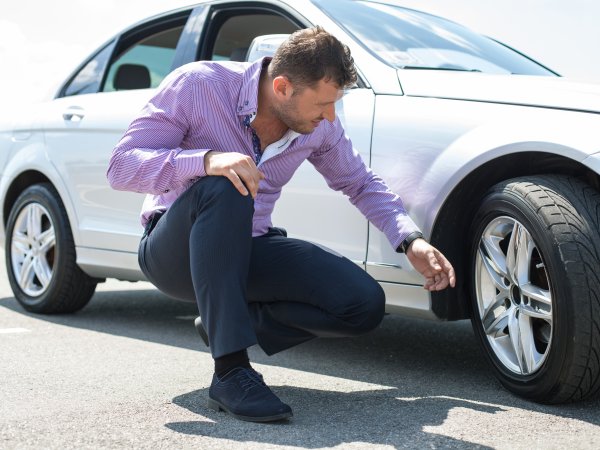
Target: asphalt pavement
x=128, y=371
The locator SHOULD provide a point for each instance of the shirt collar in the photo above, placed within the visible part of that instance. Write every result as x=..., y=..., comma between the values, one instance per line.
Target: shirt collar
x=248, y=97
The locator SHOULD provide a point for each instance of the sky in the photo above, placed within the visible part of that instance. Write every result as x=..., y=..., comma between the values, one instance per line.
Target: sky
x=42, y=41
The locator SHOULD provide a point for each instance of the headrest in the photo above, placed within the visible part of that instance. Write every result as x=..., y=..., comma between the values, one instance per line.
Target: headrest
x=265, y=45
x=131, y=76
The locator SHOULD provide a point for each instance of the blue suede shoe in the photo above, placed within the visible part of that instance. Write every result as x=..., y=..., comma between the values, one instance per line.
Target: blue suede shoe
x=243, y=394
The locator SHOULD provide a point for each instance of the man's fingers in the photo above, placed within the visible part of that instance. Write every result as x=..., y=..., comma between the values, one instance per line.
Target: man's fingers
x=437, y=283
x=443, y=261
x=251, y=176
x=239, y=169
x=237, y=182
x=447, y=267
x=451, y=277
x=433, y=261
x=437, y=270
x=251, y=179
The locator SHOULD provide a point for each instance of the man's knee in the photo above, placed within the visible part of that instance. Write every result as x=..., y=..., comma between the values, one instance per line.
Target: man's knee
x=375, y=307
x=366, y=308
x=219, y=190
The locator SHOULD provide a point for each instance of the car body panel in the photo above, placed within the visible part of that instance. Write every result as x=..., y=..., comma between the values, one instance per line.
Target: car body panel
x=80, y=149
x=527, y=90
x=345, y=231
x=426, y=167
x=32, y=156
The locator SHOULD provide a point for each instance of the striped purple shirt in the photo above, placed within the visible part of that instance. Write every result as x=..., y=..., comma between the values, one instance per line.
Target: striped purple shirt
x=205, y=106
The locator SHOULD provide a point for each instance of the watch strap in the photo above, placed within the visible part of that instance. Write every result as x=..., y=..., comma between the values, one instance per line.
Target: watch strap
x=409, y=240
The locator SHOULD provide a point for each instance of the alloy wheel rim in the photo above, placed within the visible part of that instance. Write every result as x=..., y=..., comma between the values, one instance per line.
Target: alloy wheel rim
x=513, y=296
x=33, y=249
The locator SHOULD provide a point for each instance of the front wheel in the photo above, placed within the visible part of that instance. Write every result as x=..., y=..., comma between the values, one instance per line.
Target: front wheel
x=40, y=255
x=535, y=289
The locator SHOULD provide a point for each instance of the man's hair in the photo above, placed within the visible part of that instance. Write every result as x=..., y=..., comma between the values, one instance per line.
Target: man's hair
x=312, y=54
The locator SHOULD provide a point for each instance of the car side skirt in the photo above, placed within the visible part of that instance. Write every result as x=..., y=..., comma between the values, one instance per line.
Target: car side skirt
x=408, y=300
x=109, y=264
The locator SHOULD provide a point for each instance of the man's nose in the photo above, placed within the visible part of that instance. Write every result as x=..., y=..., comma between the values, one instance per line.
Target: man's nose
x=329, y=113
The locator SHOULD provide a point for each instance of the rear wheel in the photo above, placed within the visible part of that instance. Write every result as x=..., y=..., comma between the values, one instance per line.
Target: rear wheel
x=535, y=286
x=40, y=255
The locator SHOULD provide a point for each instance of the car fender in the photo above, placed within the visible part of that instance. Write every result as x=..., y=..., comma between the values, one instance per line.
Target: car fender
x=33, y=157
x=424, y=156
x=569, y=137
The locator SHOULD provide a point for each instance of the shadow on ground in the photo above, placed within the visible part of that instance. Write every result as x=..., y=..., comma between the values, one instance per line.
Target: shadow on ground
x=391, y=421
x=428, y=369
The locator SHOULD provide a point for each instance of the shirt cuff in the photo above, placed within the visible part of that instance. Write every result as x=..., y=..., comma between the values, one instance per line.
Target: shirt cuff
x=403, y=227
x=190, y=164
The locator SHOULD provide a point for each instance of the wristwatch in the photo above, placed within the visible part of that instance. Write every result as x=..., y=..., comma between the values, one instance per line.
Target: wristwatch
x=409, y=240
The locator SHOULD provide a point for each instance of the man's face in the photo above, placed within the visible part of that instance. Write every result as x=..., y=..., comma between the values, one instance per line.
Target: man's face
x=303, y=111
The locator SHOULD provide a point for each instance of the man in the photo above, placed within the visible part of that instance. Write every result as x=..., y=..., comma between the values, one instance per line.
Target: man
x=213, y=148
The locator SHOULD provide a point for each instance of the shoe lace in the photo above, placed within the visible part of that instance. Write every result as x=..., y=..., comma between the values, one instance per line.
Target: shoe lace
x=250, y=378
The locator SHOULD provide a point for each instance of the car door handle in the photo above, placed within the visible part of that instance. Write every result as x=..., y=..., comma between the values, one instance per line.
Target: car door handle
x=74, y=114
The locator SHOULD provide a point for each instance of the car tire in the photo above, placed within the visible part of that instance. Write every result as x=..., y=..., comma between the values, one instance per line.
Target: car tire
x=535, y=286
x=40, y=255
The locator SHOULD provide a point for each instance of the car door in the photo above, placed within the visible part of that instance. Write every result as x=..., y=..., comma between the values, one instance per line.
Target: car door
x=308, y=208
x=90, y=117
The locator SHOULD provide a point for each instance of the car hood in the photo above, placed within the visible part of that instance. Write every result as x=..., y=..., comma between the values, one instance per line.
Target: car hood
x=549, y=92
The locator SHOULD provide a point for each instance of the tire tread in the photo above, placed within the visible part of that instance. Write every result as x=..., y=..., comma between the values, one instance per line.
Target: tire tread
x=570, y=210
x=583, y=379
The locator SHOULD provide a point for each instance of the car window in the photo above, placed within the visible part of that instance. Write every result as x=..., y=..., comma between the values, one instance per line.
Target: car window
x=88, y=79
x=145, y=63
x=408, y=39
x=236, y=33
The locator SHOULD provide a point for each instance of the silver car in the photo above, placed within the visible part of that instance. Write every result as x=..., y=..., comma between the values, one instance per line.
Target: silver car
x=496, y=157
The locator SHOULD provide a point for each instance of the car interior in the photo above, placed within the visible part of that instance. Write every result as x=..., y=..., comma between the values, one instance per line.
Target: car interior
x=145, y=63
x=236, y=33
x=143, y=56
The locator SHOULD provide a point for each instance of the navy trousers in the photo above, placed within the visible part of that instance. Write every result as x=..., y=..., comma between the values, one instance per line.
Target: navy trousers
x=271, y=290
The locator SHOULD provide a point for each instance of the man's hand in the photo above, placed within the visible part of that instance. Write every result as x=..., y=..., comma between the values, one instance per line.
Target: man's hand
x=240, y=169
x=430, y=262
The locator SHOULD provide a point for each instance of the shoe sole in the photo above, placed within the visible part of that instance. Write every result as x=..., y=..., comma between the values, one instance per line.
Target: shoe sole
x=215, y=405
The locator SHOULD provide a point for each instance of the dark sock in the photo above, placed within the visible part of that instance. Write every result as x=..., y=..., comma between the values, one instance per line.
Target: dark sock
x=225, y=363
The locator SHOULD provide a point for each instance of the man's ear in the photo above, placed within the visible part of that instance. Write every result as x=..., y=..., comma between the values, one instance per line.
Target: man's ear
x=282, y=87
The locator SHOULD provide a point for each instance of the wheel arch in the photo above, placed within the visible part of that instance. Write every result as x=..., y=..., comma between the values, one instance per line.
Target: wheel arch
x=57, y=285
x=18, y=185
x=451, y=226
x=25, y=179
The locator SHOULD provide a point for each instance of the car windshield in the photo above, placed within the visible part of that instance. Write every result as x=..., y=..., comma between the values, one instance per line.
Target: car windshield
x=408, y=39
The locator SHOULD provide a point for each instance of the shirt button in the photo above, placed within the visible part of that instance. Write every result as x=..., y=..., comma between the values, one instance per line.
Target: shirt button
x=246, y=103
